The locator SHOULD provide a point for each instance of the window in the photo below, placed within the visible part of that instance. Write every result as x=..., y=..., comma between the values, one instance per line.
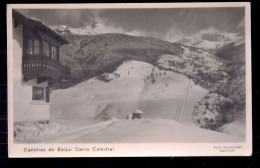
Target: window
x=54, y=52
x=46, y=48
x=29, y=46
x=33, y=46
x=36, y=46
x=38, y=93
x=50, y=50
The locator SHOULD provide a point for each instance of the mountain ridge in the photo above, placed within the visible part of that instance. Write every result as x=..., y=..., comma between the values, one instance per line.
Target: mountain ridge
x=93, y=29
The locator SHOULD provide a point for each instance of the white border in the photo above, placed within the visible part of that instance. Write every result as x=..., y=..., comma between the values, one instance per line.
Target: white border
x=132, y=149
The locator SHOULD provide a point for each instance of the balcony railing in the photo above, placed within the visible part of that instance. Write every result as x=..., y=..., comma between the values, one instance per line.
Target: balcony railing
x=42, y=66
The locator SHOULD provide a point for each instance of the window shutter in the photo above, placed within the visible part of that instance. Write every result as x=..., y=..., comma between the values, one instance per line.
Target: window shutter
x=47, y=95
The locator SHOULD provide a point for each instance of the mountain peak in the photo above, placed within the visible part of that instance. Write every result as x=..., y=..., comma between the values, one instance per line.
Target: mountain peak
x=93, y=29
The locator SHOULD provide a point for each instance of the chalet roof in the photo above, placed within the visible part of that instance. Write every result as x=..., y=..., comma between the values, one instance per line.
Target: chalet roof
x=39, y=25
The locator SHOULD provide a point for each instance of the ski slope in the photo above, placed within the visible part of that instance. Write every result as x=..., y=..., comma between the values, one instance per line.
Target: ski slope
x=130, y=89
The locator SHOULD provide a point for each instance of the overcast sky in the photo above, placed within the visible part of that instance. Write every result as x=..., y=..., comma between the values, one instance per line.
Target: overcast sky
x=157, y=23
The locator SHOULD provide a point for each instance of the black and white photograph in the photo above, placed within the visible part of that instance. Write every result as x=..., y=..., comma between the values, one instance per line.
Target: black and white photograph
x=129, y=80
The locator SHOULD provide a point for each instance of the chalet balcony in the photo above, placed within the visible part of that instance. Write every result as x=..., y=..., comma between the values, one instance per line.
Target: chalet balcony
x=44, y=67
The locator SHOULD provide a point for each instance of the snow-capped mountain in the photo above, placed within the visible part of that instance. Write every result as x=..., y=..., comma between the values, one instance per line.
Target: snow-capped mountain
x=93, y=29
x=212, y=39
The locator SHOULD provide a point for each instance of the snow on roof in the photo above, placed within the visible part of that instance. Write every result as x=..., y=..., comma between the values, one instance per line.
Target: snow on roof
x=137, y=111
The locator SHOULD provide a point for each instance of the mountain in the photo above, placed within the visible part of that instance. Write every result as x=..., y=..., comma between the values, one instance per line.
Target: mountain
x=93, y=29
x=212, y=39
x=91, y=56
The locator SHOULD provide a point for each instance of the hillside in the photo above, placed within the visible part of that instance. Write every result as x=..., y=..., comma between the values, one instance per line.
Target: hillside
x=93, y=55
x=133, y=85
x=232, y=52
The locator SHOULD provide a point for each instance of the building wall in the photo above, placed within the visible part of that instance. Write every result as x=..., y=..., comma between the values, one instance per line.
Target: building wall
x=25, y=109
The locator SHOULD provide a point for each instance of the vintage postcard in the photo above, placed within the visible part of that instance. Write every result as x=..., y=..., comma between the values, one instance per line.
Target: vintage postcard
x=152, y=79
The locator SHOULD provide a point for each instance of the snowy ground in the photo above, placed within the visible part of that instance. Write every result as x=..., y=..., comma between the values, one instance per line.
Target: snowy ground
x=137, y=131
x=96, y=110
x=154, y=131
x=236, y=128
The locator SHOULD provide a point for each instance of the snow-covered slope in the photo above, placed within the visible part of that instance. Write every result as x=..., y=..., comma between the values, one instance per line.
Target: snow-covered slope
x=212, y=39
x=94, y=29
x=134, y=85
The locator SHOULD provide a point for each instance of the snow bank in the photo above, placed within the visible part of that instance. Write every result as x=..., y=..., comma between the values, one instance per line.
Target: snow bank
x=29, y=130
x=235, y=128
x=134, y=131
x=71, y=134
x=57, y=130
x=153, y=131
